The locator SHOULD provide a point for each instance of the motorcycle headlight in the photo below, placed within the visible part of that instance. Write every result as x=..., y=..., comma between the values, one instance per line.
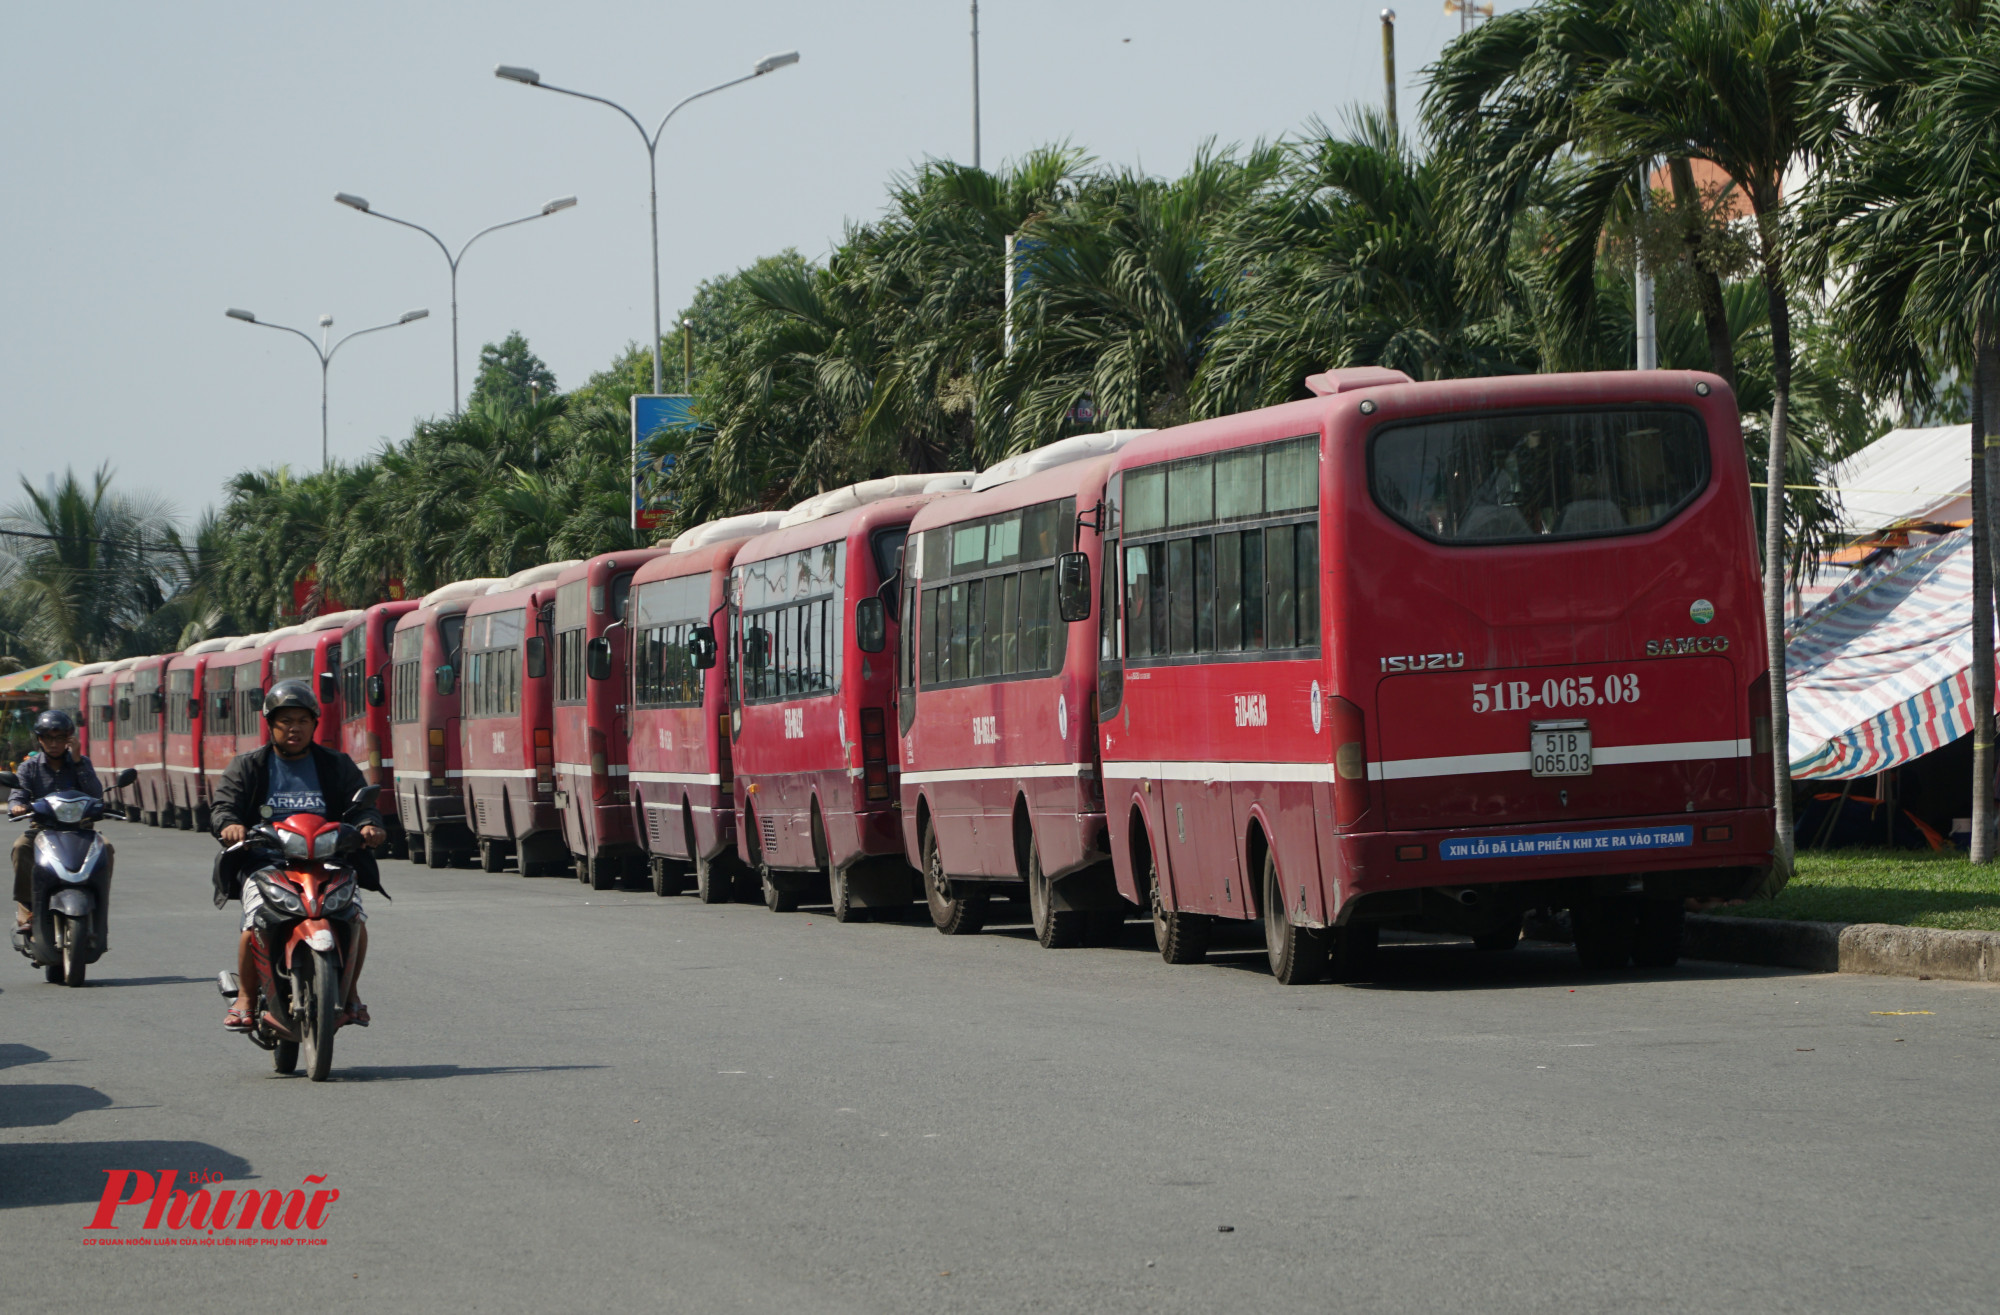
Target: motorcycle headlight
x=339, y=897
x=279, y=895
x=296, y=845
x=69, y=811
x=326, y=842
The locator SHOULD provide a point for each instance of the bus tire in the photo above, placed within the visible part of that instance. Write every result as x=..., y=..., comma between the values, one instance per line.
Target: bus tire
x=1656, y=939
x=490, y=857
x=602, y=872
x=1604, y=930
x=1499, y=939
x=1103, y=927
x=954, y=915
x=1298, y=954
x=1056, y=929
x=1181, y=937
x=413, y=847
x=714, y=880
x=776, y=898
x=435, y=854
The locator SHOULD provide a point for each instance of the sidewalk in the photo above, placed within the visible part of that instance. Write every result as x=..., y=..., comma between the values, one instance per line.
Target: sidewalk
x=1857, y=947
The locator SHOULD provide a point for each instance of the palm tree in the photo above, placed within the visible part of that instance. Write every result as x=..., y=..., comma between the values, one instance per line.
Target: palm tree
x=85, y=565
x=1605, y=87
x=1909, y=219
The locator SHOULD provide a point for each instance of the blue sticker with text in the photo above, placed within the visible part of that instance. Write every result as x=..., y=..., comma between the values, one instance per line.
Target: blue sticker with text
x=1568, y=842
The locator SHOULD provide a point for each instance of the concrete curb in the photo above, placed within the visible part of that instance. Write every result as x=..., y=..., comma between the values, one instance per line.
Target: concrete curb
x=1861, y=947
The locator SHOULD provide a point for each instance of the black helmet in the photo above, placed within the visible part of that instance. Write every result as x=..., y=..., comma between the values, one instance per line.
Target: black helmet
x=290, y=694
x=55, y=720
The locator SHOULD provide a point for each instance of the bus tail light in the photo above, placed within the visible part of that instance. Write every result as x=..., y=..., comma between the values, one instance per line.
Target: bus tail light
x=874, y=754
x=437, y=759
x=1350, y=763
x=725, y=766
x=1757, y=789
x=545, y=763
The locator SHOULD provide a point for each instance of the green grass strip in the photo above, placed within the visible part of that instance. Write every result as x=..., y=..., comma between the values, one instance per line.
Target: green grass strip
x=1913, y=888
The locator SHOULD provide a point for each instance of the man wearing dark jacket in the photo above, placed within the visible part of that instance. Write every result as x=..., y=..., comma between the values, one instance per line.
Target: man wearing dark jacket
x=57, y=767
x=292, y=775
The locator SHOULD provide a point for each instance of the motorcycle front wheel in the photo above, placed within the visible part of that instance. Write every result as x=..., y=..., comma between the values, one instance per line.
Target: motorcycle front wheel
x=71, y=933
x=321, y=1015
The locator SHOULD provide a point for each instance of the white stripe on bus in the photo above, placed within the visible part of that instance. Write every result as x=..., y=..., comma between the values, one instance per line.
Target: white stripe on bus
x=495, y=773
x=676, y=778
x=1404, y=769
x=999, y=773
x=583, y=769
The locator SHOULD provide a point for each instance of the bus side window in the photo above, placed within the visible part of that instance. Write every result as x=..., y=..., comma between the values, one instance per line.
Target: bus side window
x=1138, y=610
x=1284, y=615
x=1107, y=611
x=930, y=628
x=1309, y=586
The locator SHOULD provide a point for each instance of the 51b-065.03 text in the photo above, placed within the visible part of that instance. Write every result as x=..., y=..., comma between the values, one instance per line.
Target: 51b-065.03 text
x=1569, y=692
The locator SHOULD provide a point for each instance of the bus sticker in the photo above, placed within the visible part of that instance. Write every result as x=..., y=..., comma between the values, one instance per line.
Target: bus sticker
x=795, y=723
x=1252, y=710
x=1567, y=842
x=986, y=730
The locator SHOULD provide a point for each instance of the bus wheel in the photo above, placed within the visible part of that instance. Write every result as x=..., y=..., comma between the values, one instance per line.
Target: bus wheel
x=954, y=915
x=601, y=872
x=1056, y=929
x=1656, y=941
x=1181, y=937
x=1297, y=954
x=1604, y=930
x=777, y=900
x=714, y=880
x=1351, y=951
x=434, y=854
x=669, y=876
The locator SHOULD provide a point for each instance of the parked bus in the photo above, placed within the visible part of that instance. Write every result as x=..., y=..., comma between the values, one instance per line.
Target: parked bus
x=311, y=652
x=1427, y=655
x=423, y=721
x=592, y=792
x=508, y=744
x=810, y=697
x=233, y=715
x=365, y=696
x=72, y=695
x=101, y=703
x=142, y=725
x=1000, y=783
x=683, y=787
x=186, y=711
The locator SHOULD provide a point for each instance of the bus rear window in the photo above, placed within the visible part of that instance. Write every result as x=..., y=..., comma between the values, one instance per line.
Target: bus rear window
x=1527, y=477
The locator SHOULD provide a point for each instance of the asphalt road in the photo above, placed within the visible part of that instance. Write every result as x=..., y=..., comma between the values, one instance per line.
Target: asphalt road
x=573, y=1100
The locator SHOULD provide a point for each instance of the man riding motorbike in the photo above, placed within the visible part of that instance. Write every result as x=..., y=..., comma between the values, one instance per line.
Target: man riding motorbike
x=54, y=768
x=292, y=775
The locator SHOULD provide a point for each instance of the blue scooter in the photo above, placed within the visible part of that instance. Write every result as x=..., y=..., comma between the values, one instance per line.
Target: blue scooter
x=72, y=884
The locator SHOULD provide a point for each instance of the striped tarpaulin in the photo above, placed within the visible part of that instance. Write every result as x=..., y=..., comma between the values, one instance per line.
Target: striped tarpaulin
x=1879, y=672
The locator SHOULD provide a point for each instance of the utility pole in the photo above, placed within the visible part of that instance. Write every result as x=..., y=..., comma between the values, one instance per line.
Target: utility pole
x=975, y=84
x=1642, y=300
x=1389, y=69
x=687, y=357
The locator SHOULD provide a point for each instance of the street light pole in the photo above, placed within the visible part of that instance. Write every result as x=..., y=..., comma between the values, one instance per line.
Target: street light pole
x=360, y=203
x=528, y=77
x=975, y=84
x=325, y=355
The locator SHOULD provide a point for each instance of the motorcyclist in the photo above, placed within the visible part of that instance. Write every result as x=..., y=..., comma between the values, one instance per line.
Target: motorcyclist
x=54, y=767
x=292, y=775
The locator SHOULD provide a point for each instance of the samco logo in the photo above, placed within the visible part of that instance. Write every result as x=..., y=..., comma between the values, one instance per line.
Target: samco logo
x=194, y=1217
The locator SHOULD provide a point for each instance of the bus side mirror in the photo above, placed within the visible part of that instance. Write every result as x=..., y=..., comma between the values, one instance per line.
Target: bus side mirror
x=597, y=661
x=537, y=656
x=447, y=679
x=1073, y=586
x=701, y=648
x=329, y=687
x=194, y=707
x=871, y=625
x=159, y=702
x=378, y=691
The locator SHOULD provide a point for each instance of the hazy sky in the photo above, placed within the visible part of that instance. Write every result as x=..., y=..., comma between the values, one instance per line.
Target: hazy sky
x=164, y=162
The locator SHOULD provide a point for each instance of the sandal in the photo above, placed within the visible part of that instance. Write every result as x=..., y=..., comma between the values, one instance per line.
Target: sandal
x=355, y=1013
x=238, y=1019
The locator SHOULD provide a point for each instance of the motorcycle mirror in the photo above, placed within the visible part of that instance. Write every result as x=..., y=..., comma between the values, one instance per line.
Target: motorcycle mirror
x=378, y=691
x=366, y=798
x=9, y=780
x=126, y=777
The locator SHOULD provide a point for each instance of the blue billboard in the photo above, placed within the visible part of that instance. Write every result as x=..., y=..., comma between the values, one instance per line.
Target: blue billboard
x=651, y=413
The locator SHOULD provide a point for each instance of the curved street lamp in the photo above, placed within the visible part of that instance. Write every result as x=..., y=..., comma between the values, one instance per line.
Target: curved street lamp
x=360, y=203
x=325, y=355
x=529, y=78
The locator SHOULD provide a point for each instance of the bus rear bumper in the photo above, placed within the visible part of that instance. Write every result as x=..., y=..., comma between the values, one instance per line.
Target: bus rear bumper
x=1696, y=855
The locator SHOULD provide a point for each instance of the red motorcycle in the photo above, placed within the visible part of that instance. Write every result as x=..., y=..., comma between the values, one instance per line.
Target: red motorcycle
x=304, y=875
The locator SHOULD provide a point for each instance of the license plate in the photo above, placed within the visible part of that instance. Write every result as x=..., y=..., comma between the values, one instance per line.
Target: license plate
x=1559, y=748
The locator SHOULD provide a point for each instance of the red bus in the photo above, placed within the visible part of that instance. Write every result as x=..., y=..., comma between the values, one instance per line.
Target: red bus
x=142, y=732
x=310, y=651
x=233, y=718
x=592, y=792
x=683, y=786
x=423, y=719
x=508, y=745
x=72, y=695
x=365, y=674
x=1427, y=655
x=810, y=698
x=185, y=676
x=100, y=700
x=1000, y=783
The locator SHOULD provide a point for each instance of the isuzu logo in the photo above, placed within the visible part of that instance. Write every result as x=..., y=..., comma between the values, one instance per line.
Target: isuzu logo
x=1425, y=662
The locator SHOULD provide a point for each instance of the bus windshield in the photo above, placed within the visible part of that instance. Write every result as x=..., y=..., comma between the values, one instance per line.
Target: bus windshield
x=1523, y=478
